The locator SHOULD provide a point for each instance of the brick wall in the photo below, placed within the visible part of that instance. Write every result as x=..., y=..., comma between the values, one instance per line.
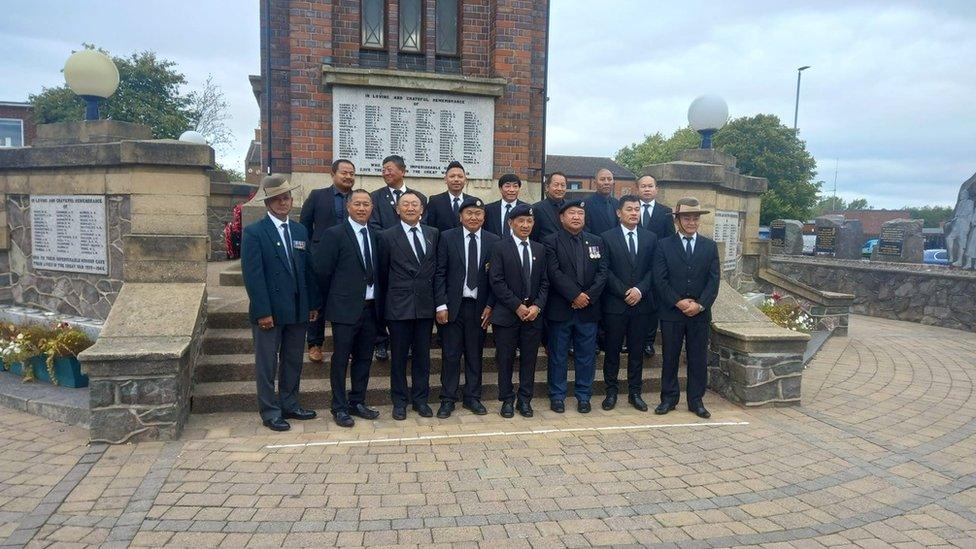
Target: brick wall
x=500, y=38
x=25, y=113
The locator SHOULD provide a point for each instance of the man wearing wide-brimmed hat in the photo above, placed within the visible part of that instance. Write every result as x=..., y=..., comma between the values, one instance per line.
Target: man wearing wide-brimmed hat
x=276, y=264
x=686, y=273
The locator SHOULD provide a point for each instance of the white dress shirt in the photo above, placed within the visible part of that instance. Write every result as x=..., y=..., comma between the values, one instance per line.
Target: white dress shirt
x=420, y=236
x=650, y=210
x=503, y=212
x=684, y=243
x=356, y=227
x=465, y=291
x=627, y=236
x=280, y=225
x=518, y=246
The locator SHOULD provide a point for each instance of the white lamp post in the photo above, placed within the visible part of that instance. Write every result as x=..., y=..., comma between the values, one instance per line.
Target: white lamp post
x=93, y=76
x=706, y=115
x=193, y=136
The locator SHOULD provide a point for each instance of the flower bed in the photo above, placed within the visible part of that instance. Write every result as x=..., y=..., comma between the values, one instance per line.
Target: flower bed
x=44, y=353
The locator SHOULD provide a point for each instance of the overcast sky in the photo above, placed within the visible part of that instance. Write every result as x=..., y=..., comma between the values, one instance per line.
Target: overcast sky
x=889, y=98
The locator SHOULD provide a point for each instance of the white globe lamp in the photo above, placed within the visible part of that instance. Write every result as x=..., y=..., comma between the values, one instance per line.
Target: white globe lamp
x=93, y=76
x=195, y=137
x=706, y=115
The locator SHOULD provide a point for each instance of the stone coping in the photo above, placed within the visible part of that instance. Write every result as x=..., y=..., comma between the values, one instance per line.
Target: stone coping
x=415, y=81
x=236, y=189
x=156, y=152
x=829, y=299
x=17, y=314
x=681, y=171
x=942, y=271
x=64, y=404
x=758, y=331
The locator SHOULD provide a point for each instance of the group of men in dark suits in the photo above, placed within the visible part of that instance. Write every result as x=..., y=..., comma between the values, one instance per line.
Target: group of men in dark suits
x=552, y=272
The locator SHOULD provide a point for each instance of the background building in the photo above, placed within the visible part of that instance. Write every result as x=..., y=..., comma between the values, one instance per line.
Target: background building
x=433, y=81
x=16, y=124
x=581, y=173
x=872, y=220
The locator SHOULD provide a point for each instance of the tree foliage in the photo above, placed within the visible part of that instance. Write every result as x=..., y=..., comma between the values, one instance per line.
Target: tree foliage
x=827, y=204
x=763, y=147
x=150, y=93
x=933, y=216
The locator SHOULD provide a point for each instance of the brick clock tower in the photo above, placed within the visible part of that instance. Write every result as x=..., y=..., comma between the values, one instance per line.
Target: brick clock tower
x=430, y=80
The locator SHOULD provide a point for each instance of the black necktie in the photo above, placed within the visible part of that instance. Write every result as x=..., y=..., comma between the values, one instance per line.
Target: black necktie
x=505, y=228
x=647, y=216
x=472, y=282
x=284, y=227
x=367, y=257
x=526, y=269
x=633, y=245
x=396, y=196
x=417, y=245
x=688, y=246
x=580, y=261
x=457, y=205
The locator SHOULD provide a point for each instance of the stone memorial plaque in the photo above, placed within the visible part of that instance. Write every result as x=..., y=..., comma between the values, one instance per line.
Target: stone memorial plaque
x=891, y=240
x=777, y=233
x=428, y=130
x=826, y=240
x=69, y=234
x=727, y=231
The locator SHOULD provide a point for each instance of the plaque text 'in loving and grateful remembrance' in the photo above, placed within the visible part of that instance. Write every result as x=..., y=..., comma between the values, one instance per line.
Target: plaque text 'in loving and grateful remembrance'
x=68, y=233
x=428, y=130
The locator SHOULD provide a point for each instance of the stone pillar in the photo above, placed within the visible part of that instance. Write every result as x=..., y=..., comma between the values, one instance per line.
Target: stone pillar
x=786, y=237
x=900, y=241
x=153, y=297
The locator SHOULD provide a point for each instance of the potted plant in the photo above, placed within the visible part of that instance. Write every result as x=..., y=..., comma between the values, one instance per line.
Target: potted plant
x=16, y=349
x=58, y=359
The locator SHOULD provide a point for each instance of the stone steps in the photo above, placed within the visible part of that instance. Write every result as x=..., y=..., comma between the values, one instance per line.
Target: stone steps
x=220, y=341
x=316, y=393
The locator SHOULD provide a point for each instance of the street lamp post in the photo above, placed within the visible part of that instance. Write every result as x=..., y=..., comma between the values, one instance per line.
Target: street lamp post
x=706, y=115
x=93, y=76
x=796, y=108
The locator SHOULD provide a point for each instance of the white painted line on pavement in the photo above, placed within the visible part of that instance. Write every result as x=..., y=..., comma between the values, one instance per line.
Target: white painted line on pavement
x=508, y=434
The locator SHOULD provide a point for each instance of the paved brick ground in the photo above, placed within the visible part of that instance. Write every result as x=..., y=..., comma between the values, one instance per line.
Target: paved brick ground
x=881, y=454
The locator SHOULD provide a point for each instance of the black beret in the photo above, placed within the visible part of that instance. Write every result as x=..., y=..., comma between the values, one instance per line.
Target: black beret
x=471, y=202
x=571, y=204
x=520, y=210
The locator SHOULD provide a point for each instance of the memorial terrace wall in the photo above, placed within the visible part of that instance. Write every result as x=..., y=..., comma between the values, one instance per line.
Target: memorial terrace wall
x=930, y=294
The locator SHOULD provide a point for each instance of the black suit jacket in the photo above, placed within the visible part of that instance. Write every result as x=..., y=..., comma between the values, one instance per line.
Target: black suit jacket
x=493, y=215
x=505, y=275
x=341, y=273
x=662, y=222
x=601, y=213
x=440, y=211
x=452, y=268
x=408, y=285
x=563, y=281
x=384, y=208
x=624, y=273
x=677, y=278
x=546, y=219
x=318, y=212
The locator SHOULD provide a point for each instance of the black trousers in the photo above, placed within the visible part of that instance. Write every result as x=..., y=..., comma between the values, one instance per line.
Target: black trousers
x=355, y=342
x=526, y=338
x=410, y=338
x=694, y=334
x=316, y=330
x=631, y=328
x=651, y=323
x=463, y=335
x=278, y=352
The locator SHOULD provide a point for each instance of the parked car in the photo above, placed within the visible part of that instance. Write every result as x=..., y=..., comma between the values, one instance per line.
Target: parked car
x=869, y=247
x=936, y=256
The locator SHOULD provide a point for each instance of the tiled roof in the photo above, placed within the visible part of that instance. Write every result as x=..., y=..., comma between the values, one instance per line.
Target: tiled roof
x=585, y=166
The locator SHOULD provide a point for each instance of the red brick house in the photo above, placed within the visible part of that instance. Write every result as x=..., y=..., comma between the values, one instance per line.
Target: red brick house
x=432, y=80
x=872, y=220
x=581, y=172
x=17, y=126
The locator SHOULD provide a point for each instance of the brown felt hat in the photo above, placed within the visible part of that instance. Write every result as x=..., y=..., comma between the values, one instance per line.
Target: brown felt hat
x=688, y=205
x=273, y=185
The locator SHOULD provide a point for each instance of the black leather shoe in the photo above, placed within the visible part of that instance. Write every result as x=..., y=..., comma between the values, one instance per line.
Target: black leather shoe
x=423, y=409
x=648, y=350
x=700, y=411
x=476, y=407
x=557, y=406
x=445, y=410
x=363, y=411
x=343, y=419
x=299, y=413
x=508, y=410
x=663, y=408
x=636, y=401
x=381, y=353
x=277, y=424
x=524, y=409
x=399, y=413
x=610, y=402
x=583, y=406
